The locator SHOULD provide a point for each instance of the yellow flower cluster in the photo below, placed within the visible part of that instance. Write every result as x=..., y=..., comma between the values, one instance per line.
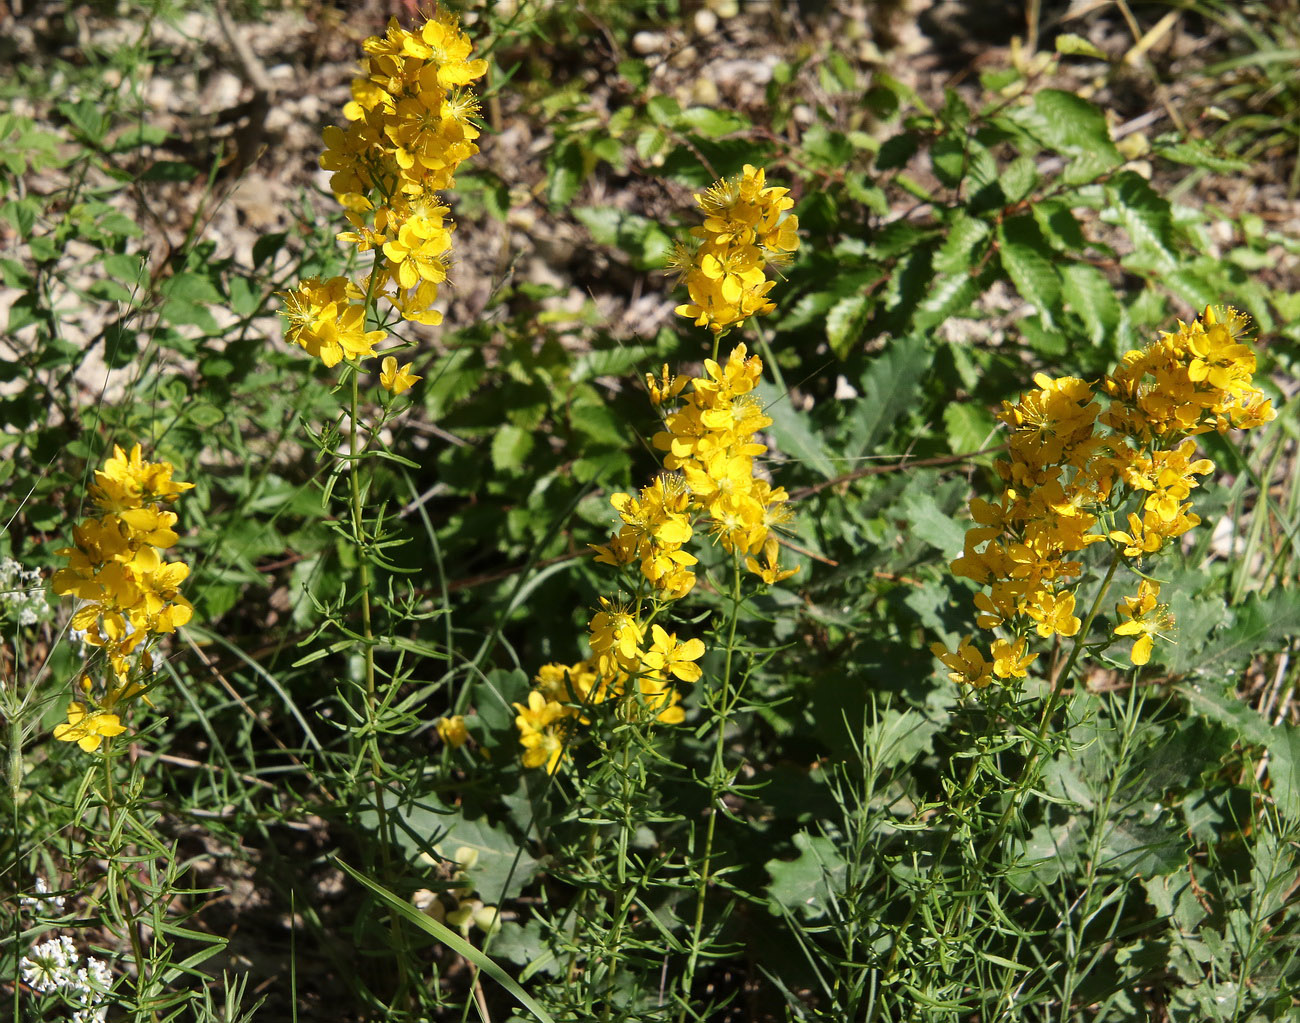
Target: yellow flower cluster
x=408, y=130
x=621, y=665
x=1110, y=463
x=710, y=452
x=746, y=229
x=129, y=594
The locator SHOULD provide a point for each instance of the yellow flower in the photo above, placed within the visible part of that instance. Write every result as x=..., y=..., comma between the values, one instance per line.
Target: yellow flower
x=543, y=730
x=746, y=228
x=616, y=637
x=670, y=657
x=453, y=731
x=328, y=320
x=88, y=728
x=1145, y=617
x=1010, y=659
x=396, y=380
x=128, y=482
x=966, y=665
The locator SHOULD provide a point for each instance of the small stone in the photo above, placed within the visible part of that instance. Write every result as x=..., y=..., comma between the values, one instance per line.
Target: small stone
x=649, y=42
x=704, y=93
x=706, y=22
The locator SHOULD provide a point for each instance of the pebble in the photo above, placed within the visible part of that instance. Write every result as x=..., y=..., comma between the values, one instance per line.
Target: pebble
x=706, y=22
x=649, y=42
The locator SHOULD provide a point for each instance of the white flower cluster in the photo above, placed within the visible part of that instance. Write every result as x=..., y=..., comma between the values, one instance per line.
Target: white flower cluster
x=42, y=898
x=22, y=593
x=54, y=967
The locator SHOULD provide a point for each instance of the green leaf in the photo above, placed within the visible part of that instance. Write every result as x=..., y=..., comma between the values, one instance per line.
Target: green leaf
x=565, y=169
x=1260, y=624
x=964, y=246
x=452, y=940
x=1018, y=179
x=888, y=392
x=929, y=522
x=794, y=434
x=1089, y=295
x=713, y=123
x=1071, y=45
x=844, y=323
x=511, y=445
x=169, y=170
x=609, y=362
x=1075, y=128
x=268, y=246
x=599, y=424
x=1196, y=153
x=1146, y=216
x=500, y=868
x=641, y=238
x=87, y=117
x=807, y=885
x=1028, y=262
x=969, y=427
x=948, y=158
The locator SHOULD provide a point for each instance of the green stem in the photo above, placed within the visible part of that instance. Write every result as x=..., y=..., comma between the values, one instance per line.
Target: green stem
x=717, y=783
x=122, y=887
x=1028, y=773
x=367, y=632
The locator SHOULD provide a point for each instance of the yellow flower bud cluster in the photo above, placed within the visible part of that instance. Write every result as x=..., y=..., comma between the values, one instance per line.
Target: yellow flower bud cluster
x=129, y=594
x=746, y=229
x=408, y=129
x=1110, y=463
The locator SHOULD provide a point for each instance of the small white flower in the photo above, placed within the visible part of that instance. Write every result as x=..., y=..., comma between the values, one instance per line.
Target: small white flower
x=50, y=965
x=95, y=1015
x=42, y=898
x=22, y=592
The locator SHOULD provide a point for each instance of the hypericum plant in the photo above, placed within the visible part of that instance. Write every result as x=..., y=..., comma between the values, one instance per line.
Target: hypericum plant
x=129, y=595
x=408, y=130
x=1107, y=463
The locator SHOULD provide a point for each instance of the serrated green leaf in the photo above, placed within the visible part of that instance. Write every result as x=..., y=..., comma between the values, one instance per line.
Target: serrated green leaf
x=963, y=247
x=1075, y=128
x=1060, y=227
x=1027, y=260
x=609, y=362
x=1259, y=625
x=1089, y=295
x=1196, y=153
x=948, y=159
x=1018, y=179
x=599, y=424
x=793, y=433
x=929, y=522
x=844, y=323
x=888, y=390
x=1147, y=218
